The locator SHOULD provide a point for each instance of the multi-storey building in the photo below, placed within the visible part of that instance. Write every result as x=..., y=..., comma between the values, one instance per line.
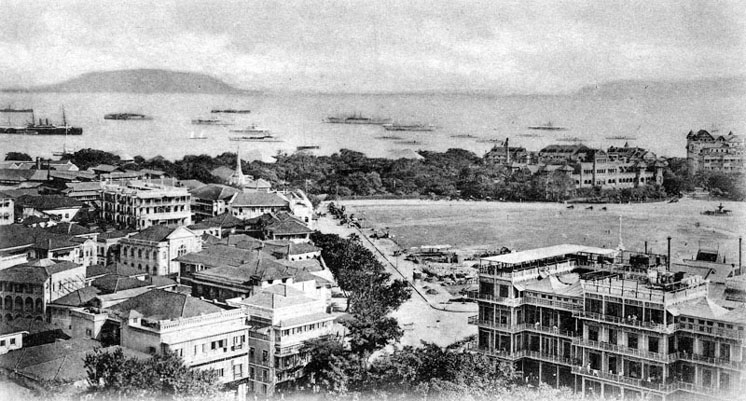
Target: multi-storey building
x=282, y=319
x=609, y=323
x=615, y=169
x=211, y=200
x=707, y=152
x=141, y=204
x=247, y=205
x=27, y=289
x=203, y=335
x=154, y=249
x=36, y=243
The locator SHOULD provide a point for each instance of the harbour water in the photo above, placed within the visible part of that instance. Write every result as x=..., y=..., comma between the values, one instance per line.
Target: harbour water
x=463, y=121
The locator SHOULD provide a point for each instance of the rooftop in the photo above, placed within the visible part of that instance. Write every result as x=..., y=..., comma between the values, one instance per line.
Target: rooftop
x=259, y=199
x=214, y=192
x=531, y=255
x=278, y=296
x=36, y=271
x=165, y=305
x=48, y=202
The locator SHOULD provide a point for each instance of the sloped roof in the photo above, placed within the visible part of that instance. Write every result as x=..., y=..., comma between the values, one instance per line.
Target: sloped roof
x=259, y=199
x=713, y=271
x=547, y=252
x=155, y=233
x=36, y=271
x=225, y=220
x=552, y=285
x=79, y=297
x=259, y=268
x=284, y=248
x=68, y=228
x=111, y=283
x=278, y=296
x=702, y=308
x=165, y=305
x=288, y=227
x=48, y=202
x=214, y=192
x=191, y=184
x=8, y=174
x=84, y=186
x=12, y=236
x=222, y=172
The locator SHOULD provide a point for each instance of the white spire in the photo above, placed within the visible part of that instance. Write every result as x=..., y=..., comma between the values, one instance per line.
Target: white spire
x=237, y=179
x=621, y=244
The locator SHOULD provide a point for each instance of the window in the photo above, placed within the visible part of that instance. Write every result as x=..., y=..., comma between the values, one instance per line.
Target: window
x=265, y=355
x=653, y=344
x=237, y=371
x=593, y=333
x=264, y=375
x=12, y=341
x=251, y=353
x=725, y=352
x=2, y=343
x=88, y=332
x=632, y=340
x=708, y=349
x=251, y=373
x=612, y=336
x=220, y=372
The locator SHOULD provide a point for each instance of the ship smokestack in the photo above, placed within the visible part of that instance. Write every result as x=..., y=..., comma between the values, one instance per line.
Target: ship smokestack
x=668, y=261
x=46, y=121
x=646, y=247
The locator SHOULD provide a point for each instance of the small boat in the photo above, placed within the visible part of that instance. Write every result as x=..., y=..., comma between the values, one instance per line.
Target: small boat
x=622, y=138
x=200, y=136
x=389, y=137
x=412, y=142
x=209, y=121
x=259, y=138
x=463, y=136
x=307, y=147
x=408, y=127
x=570, y=139
x=230, y=111
x=529, y=135
x=127, y=116
x=547, y=127
x=490, y=141
x=252, y=128
x=12, y=110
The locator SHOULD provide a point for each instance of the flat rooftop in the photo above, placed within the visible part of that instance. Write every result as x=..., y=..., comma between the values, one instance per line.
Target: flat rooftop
x=517, y=258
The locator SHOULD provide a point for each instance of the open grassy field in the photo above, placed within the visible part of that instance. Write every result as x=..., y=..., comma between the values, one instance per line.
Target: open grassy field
x=489, y=225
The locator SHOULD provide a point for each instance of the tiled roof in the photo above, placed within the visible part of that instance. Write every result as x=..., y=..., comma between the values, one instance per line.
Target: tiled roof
x=155, y=233
x=288, y=227
x=111, y=283
x=12, y=236
x=222, y=172
x=214, y=192
x=36, y=271
x=278, y=296
x=115, y=234
x=32, y=326
x=285, y=248
x=702, y=308
x=84, y=186
x=225, y=220
x=258, y=199
x=165, y=305
x=306, y=319
x=191, y=184
x=7, y=174
x=78, y=298
x=48, y=202
x=259, y=268
x=68, y=228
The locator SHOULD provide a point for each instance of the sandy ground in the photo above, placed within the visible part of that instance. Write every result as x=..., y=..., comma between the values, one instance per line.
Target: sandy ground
x=423, y=317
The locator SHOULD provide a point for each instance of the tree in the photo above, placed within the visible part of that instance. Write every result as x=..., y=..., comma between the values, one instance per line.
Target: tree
x=86, y=158
x=18, y=156
x=113, y=375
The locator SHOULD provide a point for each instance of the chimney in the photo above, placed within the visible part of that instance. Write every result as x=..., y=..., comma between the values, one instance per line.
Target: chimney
x=668, y=261
x=38, y=163
x=646, y=247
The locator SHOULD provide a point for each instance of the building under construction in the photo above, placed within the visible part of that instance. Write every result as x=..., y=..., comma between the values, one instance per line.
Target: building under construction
x=612, y=323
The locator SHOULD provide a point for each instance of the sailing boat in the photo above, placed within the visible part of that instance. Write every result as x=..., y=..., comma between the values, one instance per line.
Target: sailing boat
x=201, y=135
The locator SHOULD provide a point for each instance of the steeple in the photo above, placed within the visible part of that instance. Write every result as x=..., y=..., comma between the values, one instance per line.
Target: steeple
x=238, y=179
x=621, y=244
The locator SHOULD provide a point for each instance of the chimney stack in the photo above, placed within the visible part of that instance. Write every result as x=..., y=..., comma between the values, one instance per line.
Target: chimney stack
x=507, y=151
x=38, y=163
x=668, y=261
x=646, y=247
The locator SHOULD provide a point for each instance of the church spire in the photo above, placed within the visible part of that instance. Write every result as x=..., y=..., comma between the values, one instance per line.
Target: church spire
x=237, y=178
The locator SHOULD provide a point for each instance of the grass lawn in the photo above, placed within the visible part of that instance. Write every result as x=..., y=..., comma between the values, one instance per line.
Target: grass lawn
x=488, y=225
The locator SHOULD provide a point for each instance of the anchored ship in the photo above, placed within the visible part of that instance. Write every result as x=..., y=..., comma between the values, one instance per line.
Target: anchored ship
x=252, y=129
x=42, y=128
x=409, y=127
x=210, y=121
x=548, y=127
x=127, y=116
x=230, y=111
x=357, y=119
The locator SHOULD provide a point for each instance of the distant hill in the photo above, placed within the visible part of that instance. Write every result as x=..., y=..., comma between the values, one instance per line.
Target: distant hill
x=633, y=88
x=139, y=81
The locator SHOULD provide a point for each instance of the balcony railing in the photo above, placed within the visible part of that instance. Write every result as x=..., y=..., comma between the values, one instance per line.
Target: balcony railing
x=715, y=331
x=529, y=300
x=514, y=356
x=625, y=380
x=514, y=328
x=718, y=362
x=625, y=350
x=475, y=295
x=661, y=328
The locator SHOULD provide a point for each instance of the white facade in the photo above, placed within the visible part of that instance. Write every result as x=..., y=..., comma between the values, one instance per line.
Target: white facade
x=141, y=204
x=157, y=257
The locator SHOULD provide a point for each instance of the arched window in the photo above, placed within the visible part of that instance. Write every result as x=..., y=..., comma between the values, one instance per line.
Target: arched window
x=139, y=266
x=8, y=303
x=132, y=252
x=139, y=253
x=18, y=303
x=29, y=305
x=182, y=250
x=8, y=317
x=39, y=305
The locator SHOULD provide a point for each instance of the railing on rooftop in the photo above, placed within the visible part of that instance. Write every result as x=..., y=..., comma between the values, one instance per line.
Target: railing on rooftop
x=475, y=295
x=642, y=291
x=515, y=328
x=626, y=322
x=739, y=335
x=718, y=362
x=531, y=300
x=625, y=350
x=629, y=381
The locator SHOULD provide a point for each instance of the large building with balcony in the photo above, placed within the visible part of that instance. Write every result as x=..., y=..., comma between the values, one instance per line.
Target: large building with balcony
x=609, y=323
x=154, y=250
x=282, y=319
x=141, y=204
x=708, y=152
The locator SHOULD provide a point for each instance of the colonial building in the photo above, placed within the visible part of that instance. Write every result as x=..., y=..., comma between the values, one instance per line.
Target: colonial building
x=707, y=152
x=154, y=249
x=246, y=205
x=282, y=319
x=609, y=323
x=7, y=214
x=59, y=208
x=36, y=243
x=617, y=169
x=211, y=200
x=141, y=204
x=27, y=289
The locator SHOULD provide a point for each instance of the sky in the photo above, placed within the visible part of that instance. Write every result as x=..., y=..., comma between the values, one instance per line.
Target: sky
x=368, y=46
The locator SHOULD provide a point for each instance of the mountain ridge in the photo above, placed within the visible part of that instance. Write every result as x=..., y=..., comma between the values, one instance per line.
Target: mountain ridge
x=144, y=81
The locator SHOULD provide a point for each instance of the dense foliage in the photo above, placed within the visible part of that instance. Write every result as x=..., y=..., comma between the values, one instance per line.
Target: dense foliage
x=115, y=376
x=371, y=293
x=17, y=156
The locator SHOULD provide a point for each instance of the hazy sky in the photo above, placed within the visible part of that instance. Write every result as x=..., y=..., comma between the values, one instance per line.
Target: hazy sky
x=517, y=47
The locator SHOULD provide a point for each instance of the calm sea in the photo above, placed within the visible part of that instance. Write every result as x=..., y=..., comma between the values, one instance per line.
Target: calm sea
x=463, y=121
